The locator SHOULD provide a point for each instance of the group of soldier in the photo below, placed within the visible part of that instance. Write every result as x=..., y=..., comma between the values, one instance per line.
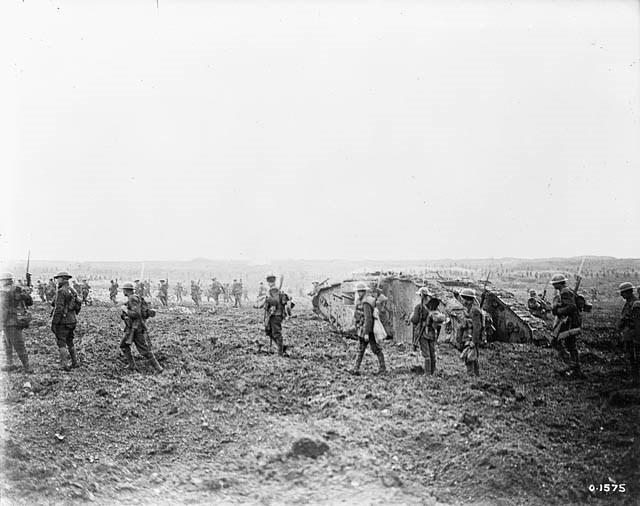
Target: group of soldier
x=369, y=306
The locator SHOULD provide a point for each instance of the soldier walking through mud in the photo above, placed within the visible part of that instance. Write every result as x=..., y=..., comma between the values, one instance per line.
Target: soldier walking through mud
x=41, y=294
x=236, y=292
x=14, y=301
x=216, y=290
x=113, y=291
x=363, y=317
x=135, y=312
x=425, y=331
x=179, y=289
x=629, y=326
x=274, y=313
x=566, y=326
x=66, y=305
x=195, y=293
x=163, y=293
x=50, y=290
x=471, y=330
x=84, y=290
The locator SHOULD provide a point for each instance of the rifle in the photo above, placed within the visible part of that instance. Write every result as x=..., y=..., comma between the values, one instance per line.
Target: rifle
x=28, y=274
x=578, y=277
x=484, y=291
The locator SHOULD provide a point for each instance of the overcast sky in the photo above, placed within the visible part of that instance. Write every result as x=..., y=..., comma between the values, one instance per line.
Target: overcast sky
x=319, y=130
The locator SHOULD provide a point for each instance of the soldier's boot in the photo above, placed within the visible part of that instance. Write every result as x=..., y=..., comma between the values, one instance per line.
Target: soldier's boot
x=356, y=367
x=64, y=358
x=131, y=363
x=427, y=368
x=154, y=362
x=74, y=358
x=382, y=368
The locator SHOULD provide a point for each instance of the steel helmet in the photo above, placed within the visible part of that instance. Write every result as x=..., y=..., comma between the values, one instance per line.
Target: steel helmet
x=270, y=275
x=558, y=278
x=424, y=292
x=62, y=274
x=468, y=293
x=625, y=286
x=6, y=275
x=361, y=287
x=532, y=292
x=128, y=286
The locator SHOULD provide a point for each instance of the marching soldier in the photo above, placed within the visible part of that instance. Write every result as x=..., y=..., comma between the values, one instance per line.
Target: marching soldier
x=139, y=287
x=425, y=331
x=66, y=305
x=629, y=325
x=14, y=300
x=236, y=292
x=135, y=312
x=84, y=290
x=50, y=290
x=195, y=293
x=113, y=291
x=567, y=326
x=216, y=290
x=163, y=292
x=471, y=330
x=363, y=317
x=41, y=294
x=274, y=313
x=179, y=289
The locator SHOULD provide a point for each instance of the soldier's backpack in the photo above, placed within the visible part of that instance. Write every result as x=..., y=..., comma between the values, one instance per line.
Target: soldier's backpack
x=145, y=310
x=582, y=304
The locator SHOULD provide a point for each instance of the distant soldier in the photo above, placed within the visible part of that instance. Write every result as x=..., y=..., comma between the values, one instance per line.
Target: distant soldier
x=425, y=328
x=274, y=313
x=245, y=293
x=262, y=290
x=179, y=289
x=13, y=303
x=594, y=293
x=236, y=292
x=113, y=291
x=163, y=293
x=139, y=288
x=226, y=292
x=196, y=293
x=135, y=313
x=146, y=287
x=84, y=290
x=537, y=307
x=50, y=290
x=629, y=325
x=66, y=305
x=471, y=331
x=216, y=290
x=363, y=316
x=41, y=289
x=567, y=326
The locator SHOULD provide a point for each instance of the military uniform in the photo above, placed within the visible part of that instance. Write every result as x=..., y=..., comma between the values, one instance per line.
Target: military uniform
x=84, y=290
x=471, y=337
x=629, y=325
x=50, y=290
x=363, y=317
x=163, y=293
x=113, y=291
x=537, y=307
x=568, y=319
x=41, y=290
x=66, y=304
x=274, y=314
x=236, y=291
x=216, y=290
x=179, y=291
x=135, y=313
x=12, y=300
x=195, y=294
x=424, y=336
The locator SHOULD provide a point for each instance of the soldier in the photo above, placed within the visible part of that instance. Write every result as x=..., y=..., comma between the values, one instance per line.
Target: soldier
x=84, y=290
x=425, y=329
x=363, y=317
x=135, y=312
x=471, y=331
x=594, y=293
x=245, y=292
x=537, y=307
x=236, y=292
x=41, y=294
x=262, y=291
x=163, y=292
x=216, y=290
x=13, y=302
x=66, y=305
x=113, y=291
x=195, y=293
x=50, y=290
x=179, y=289
x=274, y=313
x=566, y=326
x=226, y=292
x=139, y=287
x=629, y=325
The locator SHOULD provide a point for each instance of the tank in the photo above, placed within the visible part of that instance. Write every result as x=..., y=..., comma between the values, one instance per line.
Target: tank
x=512, y=321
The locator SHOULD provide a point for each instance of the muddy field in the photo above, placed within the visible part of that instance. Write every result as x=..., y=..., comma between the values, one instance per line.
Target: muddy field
x=229, y=422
